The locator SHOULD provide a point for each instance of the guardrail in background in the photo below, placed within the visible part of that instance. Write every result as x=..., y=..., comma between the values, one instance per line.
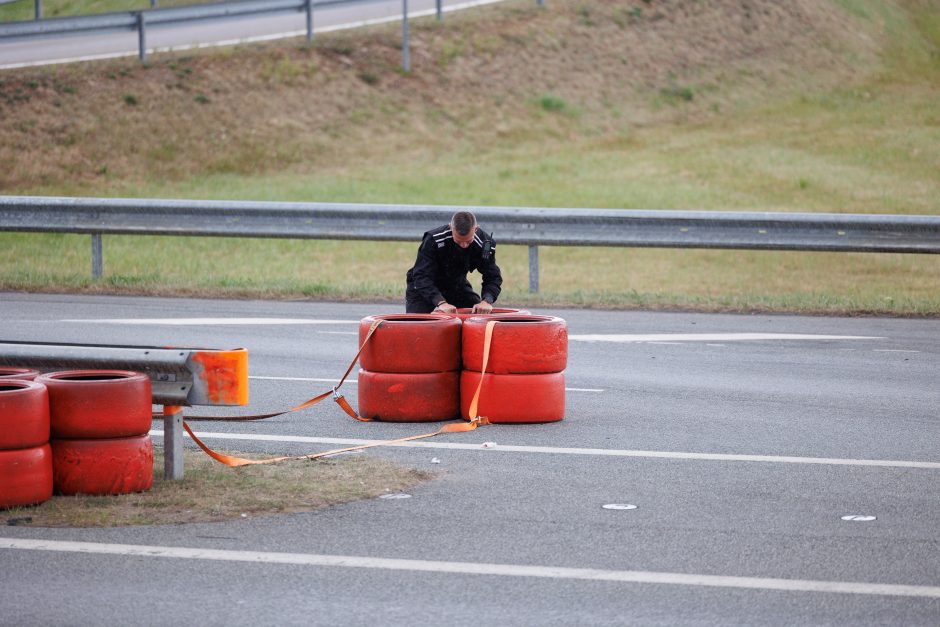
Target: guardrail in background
x=140, y=20
x=179, y=377
x=532, y=227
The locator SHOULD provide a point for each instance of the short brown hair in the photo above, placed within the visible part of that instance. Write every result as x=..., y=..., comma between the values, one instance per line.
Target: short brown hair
x=463, y=222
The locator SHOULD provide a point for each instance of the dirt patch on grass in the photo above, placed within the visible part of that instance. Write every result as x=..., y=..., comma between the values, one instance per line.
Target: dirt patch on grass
x=212, y=492
x=507, y=73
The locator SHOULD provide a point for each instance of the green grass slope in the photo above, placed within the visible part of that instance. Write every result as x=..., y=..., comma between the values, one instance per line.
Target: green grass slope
x=711, y=104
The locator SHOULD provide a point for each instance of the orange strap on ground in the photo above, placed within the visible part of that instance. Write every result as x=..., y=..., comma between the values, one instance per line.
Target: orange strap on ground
x=313, y=401
x=234, y=462
x=459, y=427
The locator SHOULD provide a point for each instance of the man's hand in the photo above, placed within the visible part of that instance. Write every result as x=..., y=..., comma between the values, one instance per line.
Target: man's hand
x=482, y=307
x=446, y=307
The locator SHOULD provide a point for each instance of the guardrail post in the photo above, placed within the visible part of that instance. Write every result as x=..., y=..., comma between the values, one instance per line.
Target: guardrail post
x=533, y=269
x=172, y=442
x=38, y=9
x=142, y=37
x=405, y=60
x=153, y=3
x=440, y=10
x=97, y=265
x=309, y=9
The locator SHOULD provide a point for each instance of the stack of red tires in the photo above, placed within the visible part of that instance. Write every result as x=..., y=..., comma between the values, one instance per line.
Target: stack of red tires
x=410, y=368
x=524, y=379
x=25, y=456
x=100, y=420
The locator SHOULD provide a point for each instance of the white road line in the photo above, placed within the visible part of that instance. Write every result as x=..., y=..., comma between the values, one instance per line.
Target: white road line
x=354, y=382
x=315, y=380
x=474, y=568
x=893, y=350
x=711, y=337
x=253, y=39
x=209, y=321
x=600, y=452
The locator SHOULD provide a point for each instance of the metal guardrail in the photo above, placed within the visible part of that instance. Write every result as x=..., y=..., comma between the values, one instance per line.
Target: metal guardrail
x=179, y=377
x=528, y=226
x=127, y=20
x=141, y=20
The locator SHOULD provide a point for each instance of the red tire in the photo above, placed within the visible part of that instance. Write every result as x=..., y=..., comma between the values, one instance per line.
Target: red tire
x=515, y=397
x=521, y=344
x=98, y=403
x=396, y=397
x=24, y=414
x=109, y=466
x=418, y=343
x=25, y=476
x=25, y=374
x=465, y=312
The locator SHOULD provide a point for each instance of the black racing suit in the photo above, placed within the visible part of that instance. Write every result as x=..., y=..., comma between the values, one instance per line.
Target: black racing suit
x=440, y=271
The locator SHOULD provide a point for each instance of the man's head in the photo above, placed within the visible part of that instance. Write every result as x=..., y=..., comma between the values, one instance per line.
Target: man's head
x=463, y=226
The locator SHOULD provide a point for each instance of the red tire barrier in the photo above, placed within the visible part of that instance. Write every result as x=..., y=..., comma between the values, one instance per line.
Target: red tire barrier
x=25, y=374
x=515, y=397
x=98, y=403
x=409, y=397
x=24, y=414
x=25, y=476
x=418, y=343
x=522, y=344
x=465, y=312
x=107, y=466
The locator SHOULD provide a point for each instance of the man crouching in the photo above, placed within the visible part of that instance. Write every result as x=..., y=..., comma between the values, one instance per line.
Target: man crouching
x=438, y=280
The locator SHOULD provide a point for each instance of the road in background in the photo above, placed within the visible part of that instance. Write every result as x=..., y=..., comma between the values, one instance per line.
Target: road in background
x=665, y=412
x=225, y=32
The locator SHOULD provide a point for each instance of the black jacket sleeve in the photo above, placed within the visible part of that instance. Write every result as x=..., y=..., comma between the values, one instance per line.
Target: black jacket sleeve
x=492, y=276
x=424, y=273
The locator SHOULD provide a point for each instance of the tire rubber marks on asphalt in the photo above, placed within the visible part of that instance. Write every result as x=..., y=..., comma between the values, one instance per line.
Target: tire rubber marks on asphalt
x=478, y=569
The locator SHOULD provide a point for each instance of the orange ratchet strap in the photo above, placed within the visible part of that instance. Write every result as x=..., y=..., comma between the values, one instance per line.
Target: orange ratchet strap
x=460, y=427
x=340, y=400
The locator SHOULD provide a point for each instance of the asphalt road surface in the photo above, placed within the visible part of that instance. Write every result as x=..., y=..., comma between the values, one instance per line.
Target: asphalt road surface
x=742, y=441
x=184, y=36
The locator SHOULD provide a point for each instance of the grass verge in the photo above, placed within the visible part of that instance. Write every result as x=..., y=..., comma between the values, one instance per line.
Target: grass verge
x=702, y=280
x=818, y=107
x=211, y=492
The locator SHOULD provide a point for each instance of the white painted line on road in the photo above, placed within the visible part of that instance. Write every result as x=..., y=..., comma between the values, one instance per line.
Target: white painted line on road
x=210, y=321
x=600, y=452
x=893, y=350
x=339, y=332
x=710, y=337
x=474, y=568
x=354, y=382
